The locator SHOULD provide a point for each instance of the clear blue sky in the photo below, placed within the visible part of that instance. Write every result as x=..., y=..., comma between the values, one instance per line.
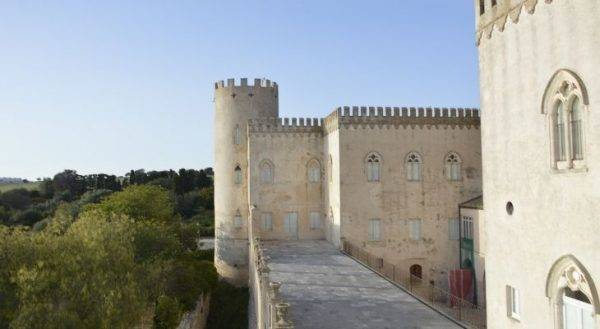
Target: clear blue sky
x=107, y=85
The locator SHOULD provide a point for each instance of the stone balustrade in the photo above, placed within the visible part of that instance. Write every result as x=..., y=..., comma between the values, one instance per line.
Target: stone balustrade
x=271, y=310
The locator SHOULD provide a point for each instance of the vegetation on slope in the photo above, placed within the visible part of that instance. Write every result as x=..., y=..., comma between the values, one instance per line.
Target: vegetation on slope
x=191, y=190
x=103, y=265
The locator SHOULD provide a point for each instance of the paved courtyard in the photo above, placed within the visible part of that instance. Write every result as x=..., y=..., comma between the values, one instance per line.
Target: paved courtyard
x=327, y=289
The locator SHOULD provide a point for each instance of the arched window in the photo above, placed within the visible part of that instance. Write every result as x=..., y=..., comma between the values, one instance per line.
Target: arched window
x=266, y=172
x=576, y=129
x=237, y=135
x=416, y=271
x=453, y=167
x=413, y=167
x=314, y=171
x=573, y=295
x=237, y=175
x=373, y=166
x=565, y=103
x=560, y=152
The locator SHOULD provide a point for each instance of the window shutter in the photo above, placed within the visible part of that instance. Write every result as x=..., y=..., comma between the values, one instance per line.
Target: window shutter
x=453, y=229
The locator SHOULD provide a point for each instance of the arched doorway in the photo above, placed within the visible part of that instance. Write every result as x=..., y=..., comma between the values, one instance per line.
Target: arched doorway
x=573, y=294
x=577, y=310
x=416, y=271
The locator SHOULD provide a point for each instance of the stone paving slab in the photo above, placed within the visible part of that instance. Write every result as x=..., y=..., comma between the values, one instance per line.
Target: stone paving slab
x=327, y=289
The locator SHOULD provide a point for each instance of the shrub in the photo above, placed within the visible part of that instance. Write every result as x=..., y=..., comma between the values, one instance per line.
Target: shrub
x=16, y=199
x=188, y=279
x=228, y=307
x=167, y=314
x=27, y=217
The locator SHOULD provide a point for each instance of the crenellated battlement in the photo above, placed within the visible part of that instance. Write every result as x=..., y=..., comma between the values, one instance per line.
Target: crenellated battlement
x=493, y=15
x=380, y=116
x=243, y=82
x=283, y=125
x=408, y=112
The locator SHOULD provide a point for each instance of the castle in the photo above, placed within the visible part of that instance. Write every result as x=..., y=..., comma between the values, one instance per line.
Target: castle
x=390, y=179
x=387, y=178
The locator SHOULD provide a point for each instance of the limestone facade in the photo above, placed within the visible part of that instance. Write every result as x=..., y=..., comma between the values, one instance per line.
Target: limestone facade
x=540, y=91
x=343, y=176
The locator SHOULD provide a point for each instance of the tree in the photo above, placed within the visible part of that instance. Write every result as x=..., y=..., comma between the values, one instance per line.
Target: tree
x=140, y=202
x=69, y=180
x=82, y=279
x=47, y=188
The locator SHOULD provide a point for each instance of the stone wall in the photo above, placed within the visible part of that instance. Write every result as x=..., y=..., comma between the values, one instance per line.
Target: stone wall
x=288, y=149
x=555, y=215
x=393, y=133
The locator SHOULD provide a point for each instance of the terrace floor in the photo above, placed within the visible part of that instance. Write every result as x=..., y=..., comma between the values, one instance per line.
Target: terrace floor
x=327, y=289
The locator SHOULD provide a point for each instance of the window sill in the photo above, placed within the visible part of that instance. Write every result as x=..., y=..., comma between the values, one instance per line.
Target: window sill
x=577, y=167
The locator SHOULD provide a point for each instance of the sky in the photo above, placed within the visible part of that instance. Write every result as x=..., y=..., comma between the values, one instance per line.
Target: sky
x=105, y=86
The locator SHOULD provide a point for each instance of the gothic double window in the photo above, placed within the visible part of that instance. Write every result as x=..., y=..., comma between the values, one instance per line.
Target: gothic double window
x=266, y=172
x=452, y=167
x=373, y=167
x=572, y=294
x=413, y=167
x=314, y=171
x=565, y=102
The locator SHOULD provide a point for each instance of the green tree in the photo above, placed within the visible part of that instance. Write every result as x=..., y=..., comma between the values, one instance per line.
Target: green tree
x=140, y=202
x=82, y=279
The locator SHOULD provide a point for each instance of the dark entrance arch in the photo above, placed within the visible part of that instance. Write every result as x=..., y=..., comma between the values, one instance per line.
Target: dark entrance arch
x=416, y=271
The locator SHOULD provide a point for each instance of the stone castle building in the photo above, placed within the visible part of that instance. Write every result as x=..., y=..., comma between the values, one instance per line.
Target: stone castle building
x=391, y=179
x=540, y=95
x=386, y=178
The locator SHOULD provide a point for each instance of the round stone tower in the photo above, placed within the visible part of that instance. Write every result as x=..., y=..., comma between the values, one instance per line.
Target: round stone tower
x=235, y=104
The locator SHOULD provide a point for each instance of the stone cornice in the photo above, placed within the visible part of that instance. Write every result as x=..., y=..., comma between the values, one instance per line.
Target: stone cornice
x=497, y=18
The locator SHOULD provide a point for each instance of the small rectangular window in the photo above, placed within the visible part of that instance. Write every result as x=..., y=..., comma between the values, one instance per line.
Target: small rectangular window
x=315, y=220
x=290, y=223
x=481, y=7
x=415, y=229
x=453, y=229
x=267, y=222
x=237, y=135
x=374, y=230
x=513, y=302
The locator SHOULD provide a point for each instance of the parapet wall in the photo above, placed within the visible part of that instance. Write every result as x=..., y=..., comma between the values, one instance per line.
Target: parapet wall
x=372, y=116
x=410, y=112
x=243, y=82
x=285, y=125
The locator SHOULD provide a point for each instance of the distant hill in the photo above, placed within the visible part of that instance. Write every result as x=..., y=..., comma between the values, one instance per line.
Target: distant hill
x=11, y=180
x=11, y=186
